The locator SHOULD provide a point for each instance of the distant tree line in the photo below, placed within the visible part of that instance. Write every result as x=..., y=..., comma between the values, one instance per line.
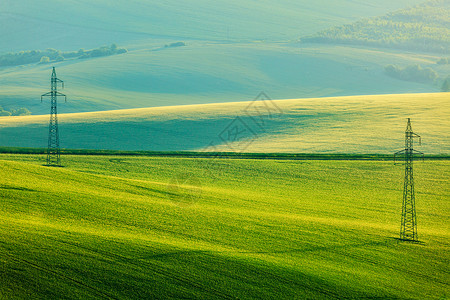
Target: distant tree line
x=15, y=112
x=446, y=85
x=425, y=27
x=419, y=74
x=53, y=55
x=102, y=51
x=28, y=57
x=412, y=73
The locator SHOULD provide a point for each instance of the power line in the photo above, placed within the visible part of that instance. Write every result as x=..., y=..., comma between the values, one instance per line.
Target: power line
x=408, y=228
x=53, y=151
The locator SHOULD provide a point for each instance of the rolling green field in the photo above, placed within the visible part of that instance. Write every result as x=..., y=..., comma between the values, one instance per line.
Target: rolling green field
x=303, y=200
x=234, y=49
x=212, y=72
x=358, y=124
x=122, y=227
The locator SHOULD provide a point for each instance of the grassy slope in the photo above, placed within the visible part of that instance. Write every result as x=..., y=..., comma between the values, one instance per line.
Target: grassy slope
x=106, y=226
x=221, y=63
x=360, y=124
x=203, y=73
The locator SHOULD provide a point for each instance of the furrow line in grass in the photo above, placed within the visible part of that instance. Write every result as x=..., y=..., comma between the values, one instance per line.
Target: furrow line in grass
x=154, y=267
x=44, y=269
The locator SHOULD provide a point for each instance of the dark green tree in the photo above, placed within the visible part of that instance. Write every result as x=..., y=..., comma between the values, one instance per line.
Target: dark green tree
x=446, y=85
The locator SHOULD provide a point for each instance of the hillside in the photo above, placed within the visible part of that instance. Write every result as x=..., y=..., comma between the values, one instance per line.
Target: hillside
x=181, y=178
x=85, y=24
x=234, y=50
x=358, y=124
x=425, y=27
x=113, y=227
x=204, y=73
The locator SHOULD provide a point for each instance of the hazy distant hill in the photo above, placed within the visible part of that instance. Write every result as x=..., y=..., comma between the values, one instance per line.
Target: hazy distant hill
x=69, y=25
x=204, y=73
x=233, y=50
x=425, y=27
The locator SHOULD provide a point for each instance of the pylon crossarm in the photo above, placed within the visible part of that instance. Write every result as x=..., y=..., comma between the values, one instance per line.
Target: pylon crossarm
x=421, y=153
x=397, y=153
x=62, y=95
x=60, y=81
x=49, y=94
x=46, y=95
x=415, y=135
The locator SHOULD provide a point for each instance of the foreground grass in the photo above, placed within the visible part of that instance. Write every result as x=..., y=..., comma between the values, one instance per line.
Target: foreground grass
x=118, y=227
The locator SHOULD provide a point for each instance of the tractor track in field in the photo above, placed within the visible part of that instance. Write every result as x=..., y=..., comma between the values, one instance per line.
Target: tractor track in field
x=92, y=289
x=153, y=267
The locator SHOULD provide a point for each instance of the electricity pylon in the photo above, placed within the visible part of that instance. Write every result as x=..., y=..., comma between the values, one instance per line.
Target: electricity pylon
x=408, y=229
x=53, y=152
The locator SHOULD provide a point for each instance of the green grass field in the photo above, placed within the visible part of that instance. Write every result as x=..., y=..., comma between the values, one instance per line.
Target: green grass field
x=120, y=227
x=358, y=124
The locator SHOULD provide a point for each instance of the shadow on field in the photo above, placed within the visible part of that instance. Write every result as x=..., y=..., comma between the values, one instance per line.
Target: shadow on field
x=337, y=248
x=329, y=248
x=291, y=282
x=202, y=273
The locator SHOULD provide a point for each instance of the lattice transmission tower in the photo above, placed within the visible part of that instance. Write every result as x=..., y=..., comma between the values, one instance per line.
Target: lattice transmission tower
x=53, y=151
x=408, y=228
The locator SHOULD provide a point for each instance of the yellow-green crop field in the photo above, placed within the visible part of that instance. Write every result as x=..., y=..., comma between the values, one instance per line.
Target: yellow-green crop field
x=152, y=227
